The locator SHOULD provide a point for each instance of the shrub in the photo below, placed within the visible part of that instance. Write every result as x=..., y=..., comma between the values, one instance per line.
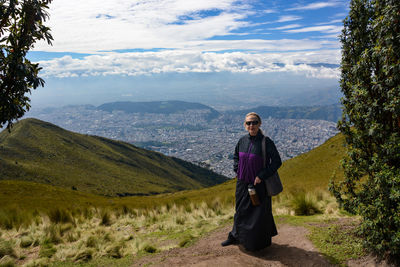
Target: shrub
x=91, y=242
x=71, y=237
x=126, y=210
x=52, y=235
x=150, y=249
x=65, y=228
x=47, y=250
x=26, y=242
x=180, y=220
x=105, y=218
x=115, y=251
x=60, y=216
x=85, y=255
x=87, y=213
x=6, y=248
x=303, y=205
x=185, y=241
x=14, y=218
x=7, y=261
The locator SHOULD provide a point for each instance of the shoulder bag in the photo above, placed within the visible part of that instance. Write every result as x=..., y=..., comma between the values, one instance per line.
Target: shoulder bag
x=273, y=183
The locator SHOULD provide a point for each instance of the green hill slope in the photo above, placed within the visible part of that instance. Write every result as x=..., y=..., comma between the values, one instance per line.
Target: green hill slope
x=41, y=152
x=23, y=195
x=309, y=172
x=313, y=170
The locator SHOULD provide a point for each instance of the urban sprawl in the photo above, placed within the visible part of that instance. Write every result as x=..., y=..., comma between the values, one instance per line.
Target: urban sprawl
x=189, y=135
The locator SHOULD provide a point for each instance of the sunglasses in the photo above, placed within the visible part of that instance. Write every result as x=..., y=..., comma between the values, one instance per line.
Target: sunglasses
x=251, y=122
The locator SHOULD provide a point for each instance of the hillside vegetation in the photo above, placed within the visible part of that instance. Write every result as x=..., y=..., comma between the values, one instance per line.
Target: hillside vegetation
x=41, y=152
x=58, y=225
x=307, y=172
x=312, y=171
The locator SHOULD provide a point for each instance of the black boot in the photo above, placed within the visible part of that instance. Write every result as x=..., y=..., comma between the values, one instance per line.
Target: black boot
x=230, y=241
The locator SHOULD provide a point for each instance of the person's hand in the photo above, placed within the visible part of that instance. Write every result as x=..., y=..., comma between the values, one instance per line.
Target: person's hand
x=257, y=180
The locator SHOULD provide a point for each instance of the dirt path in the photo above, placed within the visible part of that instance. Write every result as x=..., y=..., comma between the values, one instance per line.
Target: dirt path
x=290, y=248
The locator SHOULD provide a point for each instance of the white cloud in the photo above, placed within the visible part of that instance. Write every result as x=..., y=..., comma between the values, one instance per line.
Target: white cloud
x=330, y=22
x=323, y=29
x=288, y=18
x=185, y=29
x=269, y=11
x=314, y=6
x=290, y=26
x=133, y=64
x=87, y=26
x=282, y=45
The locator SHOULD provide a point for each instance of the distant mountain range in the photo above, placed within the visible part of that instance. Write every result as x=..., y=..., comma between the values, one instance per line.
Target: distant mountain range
x=331, y=112
x=41, y=152
x=159, y=107
x=328, y=113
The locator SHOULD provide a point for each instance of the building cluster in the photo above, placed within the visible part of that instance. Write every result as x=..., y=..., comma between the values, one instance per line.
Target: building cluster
x=190, y=136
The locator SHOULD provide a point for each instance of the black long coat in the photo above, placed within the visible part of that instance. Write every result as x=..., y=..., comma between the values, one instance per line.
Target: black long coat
x=254, y=225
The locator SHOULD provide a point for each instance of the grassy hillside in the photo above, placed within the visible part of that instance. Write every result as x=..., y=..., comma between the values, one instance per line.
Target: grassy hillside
x=41, y=197
x=313, y=170
x=41, y=152
x=43, y=225
x=308, y=172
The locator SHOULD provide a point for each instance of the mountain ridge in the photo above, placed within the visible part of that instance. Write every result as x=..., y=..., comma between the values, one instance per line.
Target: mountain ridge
x=159, y=107
x=327, y=112
x=41, y=152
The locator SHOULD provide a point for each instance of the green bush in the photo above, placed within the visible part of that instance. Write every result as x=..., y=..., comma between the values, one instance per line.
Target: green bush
x=6, y=248
x=150, y=249
x=105, y=218
x=7, y=261
x=370, y=82
x=91, y=242
x=14, y=218
x=84, y=255
x=26, y=242
x=303, y=205
x=180, y=220
x=47, y=250
x=60, y=216
x=115, y=251
x=52, y=235
x=186, y=241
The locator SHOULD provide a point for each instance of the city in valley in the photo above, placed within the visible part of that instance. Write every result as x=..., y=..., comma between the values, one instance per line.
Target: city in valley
x=189, y=135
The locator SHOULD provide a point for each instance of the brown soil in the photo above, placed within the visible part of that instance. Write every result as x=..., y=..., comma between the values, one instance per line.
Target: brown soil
x=289, y=248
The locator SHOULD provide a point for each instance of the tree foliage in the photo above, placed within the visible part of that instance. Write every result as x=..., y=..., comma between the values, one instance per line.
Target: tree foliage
x=21, y=25
x=370, y=82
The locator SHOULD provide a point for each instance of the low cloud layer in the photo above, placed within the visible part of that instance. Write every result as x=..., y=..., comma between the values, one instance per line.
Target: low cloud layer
x=319, y=64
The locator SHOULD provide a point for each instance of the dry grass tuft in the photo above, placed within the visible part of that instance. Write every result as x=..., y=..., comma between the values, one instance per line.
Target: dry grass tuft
x=86, y=234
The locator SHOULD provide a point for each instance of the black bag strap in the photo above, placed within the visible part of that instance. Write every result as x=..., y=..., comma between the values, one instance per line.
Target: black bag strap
x=264, y=152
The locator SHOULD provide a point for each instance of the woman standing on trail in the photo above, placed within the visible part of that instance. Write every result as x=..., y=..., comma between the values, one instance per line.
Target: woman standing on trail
x=253, y=225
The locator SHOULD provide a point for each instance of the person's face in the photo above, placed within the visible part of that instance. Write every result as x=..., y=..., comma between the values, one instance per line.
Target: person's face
x=252, y=124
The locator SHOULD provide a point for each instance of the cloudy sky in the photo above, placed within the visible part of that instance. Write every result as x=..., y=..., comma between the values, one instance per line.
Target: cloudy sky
x=127, y=40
